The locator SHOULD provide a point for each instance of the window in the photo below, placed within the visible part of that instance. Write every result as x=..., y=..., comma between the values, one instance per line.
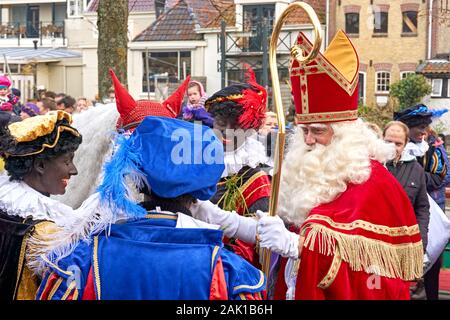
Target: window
x=380, y=22
x=436, y=87
x=362, y=88
x=409, y=22
x=75, y=8
x=255, y=18
x=352, y=23
x=383, y=81
x=165, y=67
x=404, y=74
x=159, y=7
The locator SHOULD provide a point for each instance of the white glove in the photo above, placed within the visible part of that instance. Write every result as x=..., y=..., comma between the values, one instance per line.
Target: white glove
x=273, y=235
x=232, y=224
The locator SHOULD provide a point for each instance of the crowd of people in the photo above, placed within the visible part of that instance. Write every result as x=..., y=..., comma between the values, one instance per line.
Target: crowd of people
x=10, y=102
x=181, y=207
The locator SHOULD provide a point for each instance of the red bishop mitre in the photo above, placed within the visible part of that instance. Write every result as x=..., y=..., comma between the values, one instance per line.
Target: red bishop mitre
x=325, y=89
x=133, y=112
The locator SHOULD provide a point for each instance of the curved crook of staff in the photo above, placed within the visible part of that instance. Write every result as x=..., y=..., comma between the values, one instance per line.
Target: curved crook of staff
x=297, y=54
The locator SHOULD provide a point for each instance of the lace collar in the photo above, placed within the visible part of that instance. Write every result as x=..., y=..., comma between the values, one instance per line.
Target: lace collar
x=251, y=153
x=19, y=199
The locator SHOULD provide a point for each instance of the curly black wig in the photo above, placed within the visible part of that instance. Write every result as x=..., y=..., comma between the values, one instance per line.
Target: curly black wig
x=227, y=103
x=18, y=167
x=226, y=110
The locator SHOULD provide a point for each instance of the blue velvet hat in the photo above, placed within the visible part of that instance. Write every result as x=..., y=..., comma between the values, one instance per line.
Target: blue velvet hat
x=172, y=157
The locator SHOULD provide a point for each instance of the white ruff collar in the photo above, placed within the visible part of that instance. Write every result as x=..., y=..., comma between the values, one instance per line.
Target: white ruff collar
x=416, y=149
x=251, y=153
x=19, y=199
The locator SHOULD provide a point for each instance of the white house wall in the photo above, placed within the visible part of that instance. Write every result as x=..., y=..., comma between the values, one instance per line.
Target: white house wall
x=439, y=103
x=212, y=55
x=90, y=73
x=42, y=76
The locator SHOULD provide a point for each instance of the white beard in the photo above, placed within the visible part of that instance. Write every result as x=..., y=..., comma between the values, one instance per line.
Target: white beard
x=318, y=175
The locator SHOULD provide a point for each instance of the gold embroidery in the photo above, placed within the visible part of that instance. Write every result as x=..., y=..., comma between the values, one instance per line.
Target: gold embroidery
x=75, y=294
x=32, y=128
x=324, y=65
x=332, y=272
x=260, y=187
x=213, y=257
x=375, y=228
x=69, y=290
x=251, y=180
x=260, y=283
x=161, y=216
x=96, y=269
x=56, y=267
x=21, y=261
x=372, y=256
x=45, y=287
x=327, y=116
x=55, y=288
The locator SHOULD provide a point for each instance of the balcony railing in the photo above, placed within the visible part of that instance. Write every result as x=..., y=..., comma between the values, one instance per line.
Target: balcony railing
x=39, y=31
x=248, y=43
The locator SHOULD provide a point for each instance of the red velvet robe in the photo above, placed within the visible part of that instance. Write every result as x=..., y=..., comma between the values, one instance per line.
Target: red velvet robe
x=370, y=227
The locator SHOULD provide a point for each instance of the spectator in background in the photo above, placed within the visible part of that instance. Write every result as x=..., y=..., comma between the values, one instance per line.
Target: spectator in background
x=83, y=104
x=405, y=168
x=270, y=123
x=433, y=158
x=40, y=92
x=17, y=108
x=111, y=98
x=59, y=96
x=7, y=98
x=49, y=94
x=46, y=105
x=67, y=104
x=194, y=109
x=29, y=110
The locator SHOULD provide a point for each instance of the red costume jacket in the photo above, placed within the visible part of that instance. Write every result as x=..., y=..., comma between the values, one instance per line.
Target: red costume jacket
x=363, y=245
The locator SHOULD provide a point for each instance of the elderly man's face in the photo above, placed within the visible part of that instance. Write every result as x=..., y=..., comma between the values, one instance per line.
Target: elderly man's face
x=317, y=133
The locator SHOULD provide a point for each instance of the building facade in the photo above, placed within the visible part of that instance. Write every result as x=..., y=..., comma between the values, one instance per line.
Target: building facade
x=391, y=40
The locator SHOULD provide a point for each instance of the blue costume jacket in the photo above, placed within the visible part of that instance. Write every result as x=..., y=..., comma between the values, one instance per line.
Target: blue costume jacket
x=151, y=259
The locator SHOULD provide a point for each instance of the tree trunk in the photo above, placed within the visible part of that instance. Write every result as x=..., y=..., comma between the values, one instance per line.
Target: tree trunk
x=112, y=51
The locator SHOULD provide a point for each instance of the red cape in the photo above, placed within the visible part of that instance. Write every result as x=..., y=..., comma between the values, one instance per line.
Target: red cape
x=363, y=245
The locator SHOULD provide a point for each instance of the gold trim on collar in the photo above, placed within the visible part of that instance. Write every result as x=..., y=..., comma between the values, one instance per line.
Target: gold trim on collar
x=161, y=216
x=327, y=116
x=252, y=179
x=361, y=224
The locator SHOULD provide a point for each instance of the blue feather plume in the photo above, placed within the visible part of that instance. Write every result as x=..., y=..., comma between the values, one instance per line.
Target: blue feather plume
x=114, y=192
x=436, y=113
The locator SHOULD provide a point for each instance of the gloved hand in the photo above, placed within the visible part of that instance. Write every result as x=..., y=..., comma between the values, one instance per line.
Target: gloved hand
x=273, y=235
x=232, y=224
